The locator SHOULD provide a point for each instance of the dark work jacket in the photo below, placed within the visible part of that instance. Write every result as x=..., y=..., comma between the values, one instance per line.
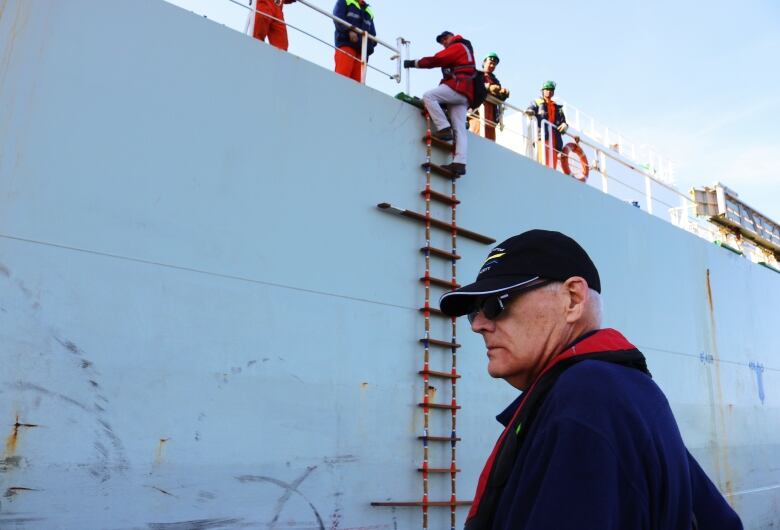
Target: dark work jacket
x=360, y=17
x=539, y=108
x=605, y=453
x=491, y=79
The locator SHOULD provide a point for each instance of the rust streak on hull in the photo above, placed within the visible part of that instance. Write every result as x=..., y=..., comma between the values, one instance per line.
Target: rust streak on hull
x=12, y=440
x=721, y=427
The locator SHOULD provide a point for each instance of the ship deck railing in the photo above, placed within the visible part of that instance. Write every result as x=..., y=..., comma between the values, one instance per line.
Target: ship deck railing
x=663, y=168
x=646, y=184
x=621, y=176
x=396, y=49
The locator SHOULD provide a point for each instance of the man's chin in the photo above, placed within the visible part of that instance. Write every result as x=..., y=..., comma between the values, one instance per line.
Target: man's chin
x=495, y=371
x=517, y=380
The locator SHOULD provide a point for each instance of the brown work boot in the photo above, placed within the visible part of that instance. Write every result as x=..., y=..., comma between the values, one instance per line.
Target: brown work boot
x=455, y=168
x=445, y=135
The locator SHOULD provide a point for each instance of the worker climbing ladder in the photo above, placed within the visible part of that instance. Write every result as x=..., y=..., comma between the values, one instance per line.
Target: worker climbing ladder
x=430, y=439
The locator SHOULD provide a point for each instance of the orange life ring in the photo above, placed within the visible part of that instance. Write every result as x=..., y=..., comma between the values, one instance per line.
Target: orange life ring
x=571, y=147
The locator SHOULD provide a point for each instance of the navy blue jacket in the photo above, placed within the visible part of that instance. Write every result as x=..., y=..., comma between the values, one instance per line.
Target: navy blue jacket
x=539, y=109
x=605, y=453
x=360, y=17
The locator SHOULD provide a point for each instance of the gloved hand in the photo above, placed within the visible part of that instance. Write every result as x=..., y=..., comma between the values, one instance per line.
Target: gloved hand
x=504, y=93
x=410, y=63
x=494, y=90
x=353, y=37
x=529, y=112
x=562, y=127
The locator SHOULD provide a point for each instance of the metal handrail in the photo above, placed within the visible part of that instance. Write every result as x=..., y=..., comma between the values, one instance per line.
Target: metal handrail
x=624, y=143
x=583, y=138
x=580, y=137
x=348, y=25
x=680, y=215
x=604, y=151
x=364, y=40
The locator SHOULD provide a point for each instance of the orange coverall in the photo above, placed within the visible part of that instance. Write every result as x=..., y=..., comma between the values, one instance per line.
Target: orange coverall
x=348, y=63
x=268, y=27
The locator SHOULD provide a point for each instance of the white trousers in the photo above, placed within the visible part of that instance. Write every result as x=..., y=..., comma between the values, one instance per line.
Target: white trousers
x=458, y=106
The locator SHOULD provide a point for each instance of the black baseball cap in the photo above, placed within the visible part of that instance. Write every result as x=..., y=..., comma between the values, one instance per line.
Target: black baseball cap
x=440, y=36
x=523, y=260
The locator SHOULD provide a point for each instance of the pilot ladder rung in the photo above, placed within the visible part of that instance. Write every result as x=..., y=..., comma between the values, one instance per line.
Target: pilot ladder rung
x=439, y=170
x=443, y=375
x=442, y=343
x=441, y=197
x=438, y=406
x=438, y=143
x=434, y=312
x=433, y=251
x=413, y=504
x=439, y=470
x=436, y=223
x=447, y=284
x=440, y=438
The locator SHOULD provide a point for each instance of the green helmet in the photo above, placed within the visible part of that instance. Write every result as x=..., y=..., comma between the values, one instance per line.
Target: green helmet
x=548, y=85
x=492, y=55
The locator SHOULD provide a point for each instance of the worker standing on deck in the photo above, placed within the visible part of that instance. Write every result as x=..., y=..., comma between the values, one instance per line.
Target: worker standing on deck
x=545, y=108
x=591, y=442
x=491, y=110
x=456, y=90
x=349, y=41
x=269, y=22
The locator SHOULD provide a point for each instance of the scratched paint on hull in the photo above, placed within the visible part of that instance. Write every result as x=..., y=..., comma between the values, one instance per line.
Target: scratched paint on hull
x=254, y=310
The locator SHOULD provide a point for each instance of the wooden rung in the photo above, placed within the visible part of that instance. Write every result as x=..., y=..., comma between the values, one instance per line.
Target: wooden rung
x=434, y=373
x=438, y=406
x=435, y=142
x=436, y=223
x=439, y=252
x=439, y=470
x=442, y=343
x=441, y=283
x=435, y=312
x=439, y=438
x=412, y=504
x=441, y=197
x=435, y=168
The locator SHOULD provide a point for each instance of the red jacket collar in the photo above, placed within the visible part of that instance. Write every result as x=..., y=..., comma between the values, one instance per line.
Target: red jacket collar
x=600, y=340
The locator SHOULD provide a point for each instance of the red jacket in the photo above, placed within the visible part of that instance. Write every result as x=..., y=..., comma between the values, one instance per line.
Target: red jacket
x=457, y=65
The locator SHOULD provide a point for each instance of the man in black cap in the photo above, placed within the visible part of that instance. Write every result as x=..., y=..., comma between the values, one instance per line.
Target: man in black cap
x=456, y=90
x=591, y=443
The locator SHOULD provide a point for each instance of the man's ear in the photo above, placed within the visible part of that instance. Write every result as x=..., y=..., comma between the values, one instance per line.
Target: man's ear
x=577, y=293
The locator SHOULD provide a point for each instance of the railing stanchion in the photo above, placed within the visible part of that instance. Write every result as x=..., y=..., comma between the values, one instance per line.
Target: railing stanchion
x=548, y=144
x=363, y=56
x=249, y=27
x=603, y=170
x=398, y=44
x=408, y=73
x=649, y=194
x=530, y=129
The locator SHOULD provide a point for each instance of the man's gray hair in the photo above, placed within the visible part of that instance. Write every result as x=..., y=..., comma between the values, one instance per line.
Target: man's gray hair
x=593, y=310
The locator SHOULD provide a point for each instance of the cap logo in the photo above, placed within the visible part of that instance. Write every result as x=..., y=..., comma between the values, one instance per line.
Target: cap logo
x=491, y=260
x=493, y=256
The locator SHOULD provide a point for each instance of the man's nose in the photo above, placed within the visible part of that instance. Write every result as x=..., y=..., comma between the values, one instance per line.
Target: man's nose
x=482, y=324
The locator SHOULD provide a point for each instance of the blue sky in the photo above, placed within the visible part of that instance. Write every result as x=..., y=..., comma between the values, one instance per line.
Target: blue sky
x=698, y=81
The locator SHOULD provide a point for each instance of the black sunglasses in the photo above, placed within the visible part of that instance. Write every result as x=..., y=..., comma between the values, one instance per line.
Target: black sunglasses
x=492, y=306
